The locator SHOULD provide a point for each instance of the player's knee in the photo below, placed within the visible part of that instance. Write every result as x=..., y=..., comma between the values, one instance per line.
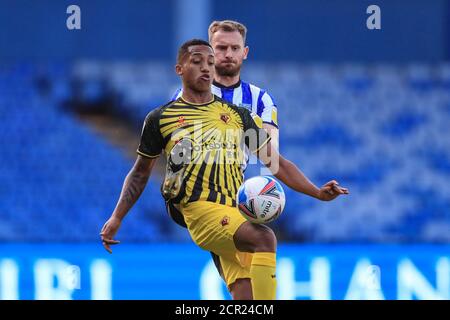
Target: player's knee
x=266, y=240
x=255, y=238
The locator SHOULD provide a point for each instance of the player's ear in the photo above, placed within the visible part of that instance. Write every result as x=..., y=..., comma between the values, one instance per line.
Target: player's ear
x=178, y=69
x=246, y=49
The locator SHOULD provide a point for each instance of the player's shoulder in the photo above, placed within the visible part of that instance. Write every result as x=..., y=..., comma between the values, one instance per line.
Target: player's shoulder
x=245, y=114
x=264, y=97
x=156, y=112
x=238, y=109
x=225, y=102
x=177, y=94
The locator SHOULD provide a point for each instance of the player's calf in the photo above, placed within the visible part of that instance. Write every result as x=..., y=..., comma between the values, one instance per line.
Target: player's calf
x=241, y=289
x=260, y=240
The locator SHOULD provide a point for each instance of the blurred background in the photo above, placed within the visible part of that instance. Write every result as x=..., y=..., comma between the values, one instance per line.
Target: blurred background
x=370, y=108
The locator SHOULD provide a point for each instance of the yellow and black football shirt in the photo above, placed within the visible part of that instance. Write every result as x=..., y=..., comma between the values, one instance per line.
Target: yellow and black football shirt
x=218, y=131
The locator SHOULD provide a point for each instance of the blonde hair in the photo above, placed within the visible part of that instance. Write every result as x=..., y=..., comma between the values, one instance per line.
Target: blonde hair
x=227, y=26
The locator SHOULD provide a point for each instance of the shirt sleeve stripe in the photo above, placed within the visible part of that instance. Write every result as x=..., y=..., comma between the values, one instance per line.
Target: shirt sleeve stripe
x=263, y=144
x=146, y=155
x=271, y=123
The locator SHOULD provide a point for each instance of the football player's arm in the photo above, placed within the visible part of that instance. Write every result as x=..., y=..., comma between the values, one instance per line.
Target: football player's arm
x=273, y=134
x=134, y=184
x=149, y=149
x=294, y=178
x=269, y=116
x=132, y=188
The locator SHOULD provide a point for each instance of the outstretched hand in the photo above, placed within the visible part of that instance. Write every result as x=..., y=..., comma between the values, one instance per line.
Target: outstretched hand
x=331, y=190
x=109, y=230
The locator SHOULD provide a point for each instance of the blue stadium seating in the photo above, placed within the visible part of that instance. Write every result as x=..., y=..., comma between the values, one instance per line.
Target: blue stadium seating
x=60, y=180
x=380, y=130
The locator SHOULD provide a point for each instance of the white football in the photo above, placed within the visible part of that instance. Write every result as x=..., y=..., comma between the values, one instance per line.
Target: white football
x=261, y=199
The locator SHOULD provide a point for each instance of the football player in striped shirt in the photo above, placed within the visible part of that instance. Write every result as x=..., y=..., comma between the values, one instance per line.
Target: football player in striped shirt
x=202, y=137
x=227, y=38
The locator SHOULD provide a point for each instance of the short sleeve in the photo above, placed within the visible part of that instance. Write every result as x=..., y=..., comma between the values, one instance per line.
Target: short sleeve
x=151, y=143
x=255, y=137
x=268, y=109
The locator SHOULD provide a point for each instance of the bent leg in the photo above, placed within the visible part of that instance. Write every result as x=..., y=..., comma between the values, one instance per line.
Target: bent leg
x=236, y=274
x=261, y=240
x=250, y=237
x=212, y=227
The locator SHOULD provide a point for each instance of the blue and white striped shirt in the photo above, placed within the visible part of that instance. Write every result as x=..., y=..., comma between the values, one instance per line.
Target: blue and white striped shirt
x=246, y=95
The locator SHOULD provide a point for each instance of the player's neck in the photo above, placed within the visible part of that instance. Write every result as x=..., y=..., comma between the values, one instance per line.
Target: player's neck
x=196, y=97
x=227, y=81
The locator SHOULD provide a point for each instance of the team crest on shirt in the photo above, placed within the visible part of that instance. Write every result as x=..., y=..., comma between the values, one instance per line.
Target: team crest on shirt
x=225, y=117
x=181, y=122
x=225, y=220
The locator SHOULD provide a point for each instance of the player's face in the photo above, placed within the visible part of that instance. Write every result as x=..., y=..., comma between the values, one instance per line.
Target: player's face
x=197, y=69
x=230, y=51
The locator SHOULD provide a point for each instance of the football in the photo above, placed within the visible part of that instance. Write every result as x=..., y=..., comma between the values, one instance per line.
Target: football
x=261, y=199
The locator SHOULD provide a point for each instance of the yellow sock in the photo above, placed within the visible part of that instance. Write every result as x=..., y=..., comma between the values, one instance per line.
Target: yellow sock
x=262, y=272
